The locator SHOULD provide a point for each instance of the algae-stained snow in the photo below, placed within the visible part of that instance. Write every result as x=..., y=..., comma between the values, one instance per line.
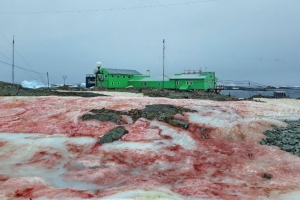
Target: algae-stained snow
x=48, y=152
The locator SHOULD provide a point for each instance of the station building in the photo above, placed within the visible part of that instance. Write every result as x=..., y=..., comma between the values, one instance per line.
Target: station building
x=124, y=78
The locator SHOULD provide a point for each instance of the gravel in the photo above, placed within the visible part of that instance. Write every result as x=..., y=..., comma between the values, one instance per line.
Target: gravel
x=286, y=138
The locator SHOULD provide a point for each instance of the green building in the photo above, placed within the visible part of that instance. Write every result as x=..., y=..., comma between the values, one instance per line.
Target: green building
x=115, y=78
x=123, y=78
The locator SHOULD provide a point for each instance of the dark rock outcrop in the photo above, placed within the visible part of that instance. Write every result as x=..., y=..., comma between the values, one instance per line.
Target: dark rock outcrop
x=8, y=89
x=267, y=176
x=175, y=94
x=194, y=94
x=114, y=134
x=165, y=113
x=161, y=112
x=286, y=138
x=104, y=115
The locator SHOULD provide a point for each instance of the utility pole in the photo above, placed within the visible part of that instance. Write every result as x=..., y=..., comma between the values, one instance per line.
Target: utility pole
x=249, y=89
x=13, y=61
x=163, y=64
x=48, y=79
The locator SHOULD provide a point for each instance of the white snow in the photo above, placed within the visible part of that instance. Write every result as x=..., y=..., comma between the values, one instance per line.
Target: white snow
x=21, y=147
x=181, y=138
x=144, y=195
x=33, y=84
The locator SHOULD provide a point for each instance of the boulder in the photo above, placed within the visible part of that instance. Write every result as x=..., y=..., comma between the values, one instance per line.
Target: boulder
x=113, y=134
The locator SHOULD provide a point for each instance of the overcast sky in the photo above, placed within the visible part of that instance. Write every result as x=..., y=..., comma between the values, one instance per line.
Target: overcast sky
x=257, y=40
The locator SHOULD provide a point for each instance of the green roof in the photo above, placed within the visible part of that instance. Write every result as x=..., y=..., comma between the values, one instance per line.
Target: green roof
x=151, y=79
x=122, y=71
x=188, y=76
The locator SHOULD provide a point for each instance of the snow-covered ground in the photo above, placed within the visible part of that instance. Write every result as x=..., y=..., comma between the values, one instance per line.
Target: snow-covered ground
x=110, y=93
x=48, y=152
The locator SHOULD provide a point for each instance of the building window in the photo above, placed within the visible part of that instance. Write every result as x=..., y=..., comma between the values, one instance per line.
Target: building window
x=118, y=83
x=141, y=83
x=112, y=83
x=112, y=76
x=105, y=76
x=191, y=82
x=145, y=83
x=124, y=76
x=177, y=82
x=210, y=76
x=118, y=76
x=158, y=83
x=128, y=76
x=187, y=82
x=123, y=83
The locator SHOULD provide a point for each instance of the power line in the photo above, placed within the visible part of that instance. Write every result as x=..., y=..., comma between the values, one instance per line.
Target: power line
x=5, y=37
x=43, y=80
x=5, y=55
x=22, y=68
x=30, y=65
x=109, y=9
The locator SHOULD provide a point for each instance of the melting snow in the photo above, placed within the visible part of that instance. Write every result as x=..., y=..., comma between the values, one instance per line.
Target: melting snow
x=47, y=151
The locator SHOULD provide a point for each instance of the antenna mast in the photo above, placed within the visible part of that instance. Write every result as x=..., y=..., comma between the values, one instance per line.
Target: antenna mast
x=13, y=61
x=163, y=64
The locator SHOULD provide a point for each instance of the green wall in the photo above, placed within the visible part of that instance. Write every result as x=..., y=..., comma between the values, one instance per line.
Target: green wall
x=115, y=80
x=167, y=84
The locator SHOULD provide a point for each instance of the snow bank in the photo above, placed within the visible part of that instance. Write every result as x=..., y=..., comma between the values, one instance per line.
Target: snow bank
x=34, y=84
x=47, y=151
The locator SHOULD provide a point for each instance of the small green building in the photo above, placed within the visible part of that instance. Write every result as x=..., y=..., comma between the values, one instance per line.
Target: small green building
x=115, y=78
x=123, y=78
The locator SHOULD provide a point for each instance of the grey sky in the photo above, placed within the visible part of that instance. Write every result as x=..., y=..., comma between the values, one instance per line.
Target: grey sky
x=257, y=40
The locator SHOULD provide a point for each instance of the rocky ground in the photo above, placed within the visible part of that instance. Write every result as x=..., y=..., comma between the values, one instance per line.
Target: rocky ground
x=8, y=89
x=175, y=94
x=161, y=112
x=286, y=138
x=48, y=150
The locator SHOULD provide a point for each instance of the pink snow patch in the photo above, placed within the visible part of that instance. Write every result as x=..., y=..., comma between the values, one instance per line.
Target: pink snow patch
x=48, y=151
x=140, y=131
x=33, y=187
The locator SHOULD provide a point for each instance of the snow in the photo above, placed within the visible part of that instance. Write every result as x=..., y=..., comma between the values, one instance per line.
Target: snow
x=145, y=195
x=21, y=148
x=34, y=84
x=181, y=138
x=48, y=152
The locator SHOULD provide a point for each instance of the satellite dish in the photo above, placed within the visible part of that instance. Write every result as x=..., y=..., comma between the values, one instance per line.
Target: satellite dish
x=99, y=64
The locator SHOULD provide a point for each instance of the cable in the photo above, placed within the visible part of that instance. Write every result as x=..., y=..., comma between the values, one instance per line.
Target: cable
x=5, y=55
x=30, y=66
x=39, y=74
x=4, y=37
x=22, y=68
x=52, y=79
x=109, y=9
x=26, y=70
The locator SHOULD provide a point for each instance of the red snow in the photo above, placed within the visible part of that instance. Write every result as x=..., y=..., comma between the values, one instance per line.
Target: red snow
x=139, y=131
x=49, y=160
x=224, y=162
x=26, y=188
